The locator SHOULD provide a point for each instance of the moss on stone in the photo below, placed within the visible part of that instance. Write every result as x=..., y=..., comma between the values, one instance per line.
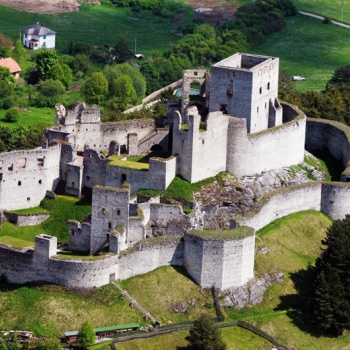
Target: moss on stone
x=210, y=235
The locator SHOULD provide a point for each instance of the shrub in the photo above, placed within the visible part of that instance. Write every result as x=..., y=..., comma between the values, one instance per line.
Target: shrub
x=12, y=115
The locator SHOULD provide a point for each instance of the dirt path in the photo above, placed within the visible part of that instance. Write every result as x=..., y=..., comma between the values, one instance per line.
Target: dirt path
x=322, y=18
x=46, y=6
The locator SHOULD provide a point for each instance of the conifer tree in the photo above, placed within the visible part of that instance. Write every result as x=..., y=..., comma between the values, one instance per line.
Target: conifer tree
x=331, y=284
x=204, y=335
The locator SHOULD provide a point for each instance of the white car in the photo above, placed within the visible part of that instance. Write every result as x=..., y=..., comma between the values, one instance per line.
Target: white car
x=297, y=78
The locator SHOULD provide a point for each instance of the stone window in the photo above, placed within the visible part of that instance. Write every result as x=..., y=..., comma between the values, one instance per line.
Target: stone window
x=109, y=225
x=123, y=178
x=73, y=183
x=40, y=182
x=72, y=232
x=28, y=199
x=223, y=108
x=229, y=92
x=19, y=183
x=10, y=167
x=268, y=86
x=260, y=90
x=195, y=73
x=257, y=109
x=87, y=178
x=118, y=211
x=1, y=175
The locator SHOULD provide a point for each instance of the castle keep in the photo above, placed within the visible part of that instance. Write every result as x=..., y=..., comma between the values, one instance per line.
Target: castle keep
x=237, y=125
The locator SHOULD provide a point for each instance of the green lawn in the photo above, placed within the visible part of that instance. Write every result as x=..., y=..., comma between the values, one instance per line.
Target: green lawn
x=30, y=116
x=328, y=8
x=98, y=25
x=62, y=209
x=309, y=48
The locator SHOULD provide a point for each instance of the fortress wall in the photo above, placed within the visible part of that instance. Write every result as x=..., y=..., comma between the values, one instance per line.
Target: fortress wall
x=272, y=149
x=193, y=257
x=326, y=134
x=28, y=174
x=74, y=176
x=79, y=236
x=137, y=230
x=119, y=131
x=284, y=202
x=145, y=257
x=336, y=200
x=209, y=147
x=138, y=179
x=167, y=212
x=238, y=262
x=25, y=267
x=26, y=220
x=161, y=138
x=94, y=169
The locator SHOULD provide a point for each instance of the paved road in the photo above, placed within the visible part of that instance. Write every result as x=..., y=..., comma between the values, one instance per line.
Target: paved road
x=322, y=18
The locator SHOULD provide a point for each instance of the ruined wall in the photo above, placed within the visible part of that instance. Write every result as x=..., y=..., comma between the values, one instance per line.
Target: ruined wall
x=79, y=236
x=26, y=219
x=271, y=149
x=26, y=175
x=195, y=146
x=94, y=172
x=150, y=254
x=335, y=201
x=161, y=138
x=329, y=135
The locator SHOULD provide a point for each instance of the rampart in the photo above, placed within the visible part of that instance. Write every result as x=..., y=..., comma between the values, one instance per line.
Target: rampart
x=26, y=219
x=273, y=148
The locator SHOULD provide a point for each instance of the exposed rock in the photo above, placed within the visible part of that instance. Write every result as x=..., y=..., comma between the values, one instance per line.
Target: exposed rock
x=178, y=307
x=251, y=293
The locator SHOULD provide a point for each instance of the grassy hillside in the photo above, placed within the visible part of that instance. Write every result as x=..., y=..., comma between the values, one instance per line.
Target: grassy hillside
x=293, y=243
x=331, y=9
x=98, y=25
x=309, y=48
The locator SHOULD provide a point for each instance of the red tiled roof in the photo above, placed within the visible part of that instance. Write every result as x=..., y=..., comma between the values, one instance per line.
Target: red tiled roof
x=33, y=41
x=11, y=64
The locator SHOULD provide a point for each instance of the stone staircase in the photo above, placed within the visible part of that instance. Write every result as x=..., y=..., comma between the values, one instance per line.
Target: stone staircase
x=147, y=137
x=134, y=303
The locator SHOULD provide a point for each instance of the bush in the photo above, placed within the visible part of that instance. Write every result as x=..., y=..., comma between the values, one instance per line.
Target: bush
x=12, y=115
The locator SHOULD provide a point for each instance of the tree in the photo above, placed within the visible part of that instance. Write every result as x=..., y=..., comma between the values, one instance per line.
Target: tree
x=7, y=88
x=122, y=51
x=45, y=61
x=204, y=335
x=11, y=115
x=95, y=89
x=86, y=335
x=50, y=92
x=18, y=52
x=2, y=344
x=125, y=93
x=331, y=283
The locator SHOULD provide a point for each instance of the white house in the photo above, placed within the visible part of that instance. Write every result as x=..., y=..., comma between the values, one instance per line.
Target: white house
x=37, y=36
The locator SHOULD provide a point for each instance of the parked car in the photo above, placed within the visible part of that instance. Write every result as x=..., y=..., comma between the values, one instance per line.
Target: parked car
x=297, y=78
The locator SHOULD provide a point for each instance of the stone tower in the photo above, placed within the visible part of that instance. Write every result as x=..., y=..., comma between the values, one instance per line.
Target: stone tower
x=110, y=215
x=246, y=86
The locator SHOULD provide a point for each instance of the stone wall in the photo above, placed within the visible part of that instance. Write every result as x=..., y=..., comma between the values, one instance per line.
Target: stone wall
x=26, y=175
x=26, y=219
x=271, y=149
x=150, y=254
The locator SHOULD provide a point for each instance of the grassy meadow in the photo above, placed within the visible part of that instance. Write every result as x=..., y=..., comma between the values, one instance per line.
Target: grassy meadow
x=293, y=242
x=98, y=25
x=332, y=9
x=309, y=48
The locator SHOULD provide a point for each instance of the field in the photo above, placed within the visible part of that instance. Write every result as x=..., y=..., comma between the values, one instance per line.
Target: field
x=327, y=8
x=309, y=48
x=98, y=25
x=293, y=242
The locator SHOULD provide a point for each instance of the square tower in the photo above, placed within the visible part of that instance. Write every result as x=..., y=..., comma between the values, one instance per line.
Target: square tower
x=110, y=213
x=246, y=86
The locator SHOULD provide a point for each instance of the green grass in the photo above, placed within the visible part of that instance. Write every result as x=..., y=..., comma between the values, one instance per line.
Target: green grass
x=30, y=116
x=16, y=242
x=309, y=48
x=98, y=25
x=327, y=8
x=63, y=208
x=117, y=161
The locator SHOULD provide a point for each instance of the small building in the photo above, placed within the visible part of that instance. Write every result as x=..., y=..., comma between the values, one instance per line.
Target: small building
x=37, y=36
x=12, y=65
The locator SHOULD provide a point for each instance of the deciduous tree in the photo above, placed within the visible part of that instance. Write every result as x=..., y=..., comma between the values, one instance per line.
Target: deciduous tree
x=95, y=88
x=86, y=335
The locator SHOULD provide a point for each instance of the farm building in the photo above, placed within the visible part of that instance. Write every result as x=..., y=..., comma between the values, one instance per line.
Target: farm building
x=12, y=65
x=37, y=36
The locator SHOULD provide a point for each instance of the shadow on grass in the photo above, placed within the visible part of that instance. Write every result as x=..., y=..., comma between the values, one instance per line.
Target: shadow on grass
x=334, y=166
x=156, y=154
x=298, y=305
x=182, y=271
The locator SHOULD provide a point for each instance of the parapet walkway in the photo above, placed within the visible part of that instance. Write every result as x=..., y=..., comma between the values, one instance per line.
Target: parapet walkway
x=134, y=302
